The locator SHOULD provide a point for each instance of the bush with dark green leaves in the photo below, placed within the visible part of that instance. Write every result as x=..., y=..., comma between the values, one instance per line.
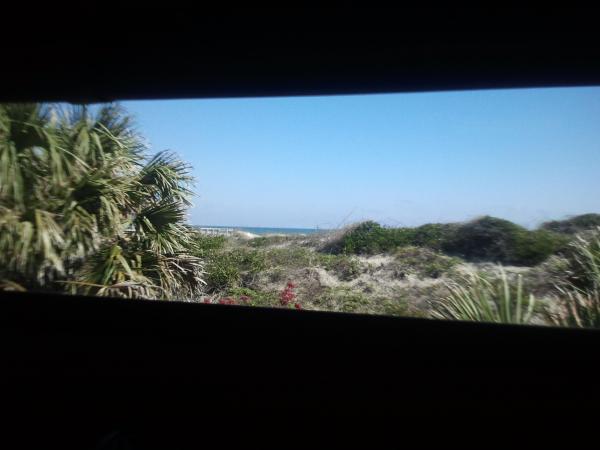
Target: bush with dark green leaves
x=501, y=241
x=226, y=270
x=371, y=238
x=366, y=238
x=484, y=239
x=206, y=245
x=534, y=247
x=573, y=225
x=432, y=235
x=222, y=272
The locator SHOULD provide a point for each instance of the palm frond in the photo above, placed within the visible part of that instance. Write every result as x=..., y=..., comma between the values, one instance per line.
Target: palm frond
x=179, y=275
x=80, y=209
x=9, y=285
x=112, y=272
x=160, y=228
x=166, y=177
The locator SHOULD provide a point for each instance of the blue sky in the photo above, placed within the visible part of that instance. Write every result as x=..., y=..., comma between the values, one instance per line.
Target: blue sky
x=526, y=155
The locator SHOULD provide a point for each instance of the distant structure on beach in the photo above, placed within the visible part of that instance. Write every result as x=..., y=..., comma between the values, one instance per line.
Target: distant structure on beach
x=213, y=231
x=218, y=230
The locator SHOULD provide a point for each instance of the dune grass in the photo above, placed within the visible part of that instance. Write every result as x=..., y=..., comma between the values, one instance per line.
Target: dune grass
x=478, y=299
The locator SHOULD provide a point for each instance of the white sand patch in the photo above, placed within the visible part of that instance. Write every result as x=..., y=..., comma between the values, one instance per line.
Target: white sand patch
x=467, y=268
x=244, y=235
x=326, y=279
x=377, y=261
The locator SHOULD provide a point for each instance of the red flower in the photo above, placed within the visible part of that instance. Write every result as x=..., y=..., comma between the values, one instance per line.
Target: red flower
x=297, y=306
x=227, y=301
x=287, y=295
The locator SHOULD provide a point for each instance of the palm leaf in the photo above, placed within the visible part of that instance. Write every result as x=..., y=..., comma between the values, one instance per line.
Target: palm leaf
x=80, y=208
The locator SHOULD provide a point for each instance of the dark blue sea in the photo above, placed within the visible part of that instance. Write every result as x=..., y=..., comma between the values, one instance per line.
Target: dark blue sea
x=269, y=230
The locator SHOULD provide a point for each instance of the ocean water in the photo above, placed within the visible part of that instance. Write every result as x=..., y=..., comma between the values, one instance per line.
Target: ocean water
x=268, y=230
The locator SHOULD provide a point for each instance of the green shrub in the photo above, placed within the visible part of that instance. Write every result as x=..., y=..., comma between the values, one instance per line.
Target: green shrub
x=205, y=245
x=424, y=262
x=225, y=270
x=488, y=239
x=485, y=239
x=366, y=238
x=477, y=299
x=369, y=238
x=343, y=300
x=222, y=272
x=257, y=298
x=501, y=241
x=252, y=261
x=265, y=241
x=289, y=257
x=534, y=247
x=344, y=266
x=261, y=241
x=432, y=235
x=573, y=225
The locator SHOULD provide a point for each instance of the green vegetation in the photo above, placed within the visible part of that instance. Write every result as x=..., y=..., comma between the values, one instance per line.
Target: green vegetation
x=344, y=299
x=369, y=238
x=222, y=273
x=365, y=238
x=583, y=261
x=431, y=235
x=227, y=269
x=265, y=241
x=424, y=262
x=578, y=302
x=477, y=299
x=257, y=298
x=575, y=303
x=83, y=209
x=484, y=239
x=345, y=267
x=258, y=269
x=208, y=245
x=576, y=308
x=501, y=241
x=573, y=225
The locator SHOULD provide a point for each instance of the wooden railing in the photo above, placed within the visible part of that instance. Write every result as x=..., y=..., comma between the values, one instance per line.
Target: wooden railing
x=216, y=231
